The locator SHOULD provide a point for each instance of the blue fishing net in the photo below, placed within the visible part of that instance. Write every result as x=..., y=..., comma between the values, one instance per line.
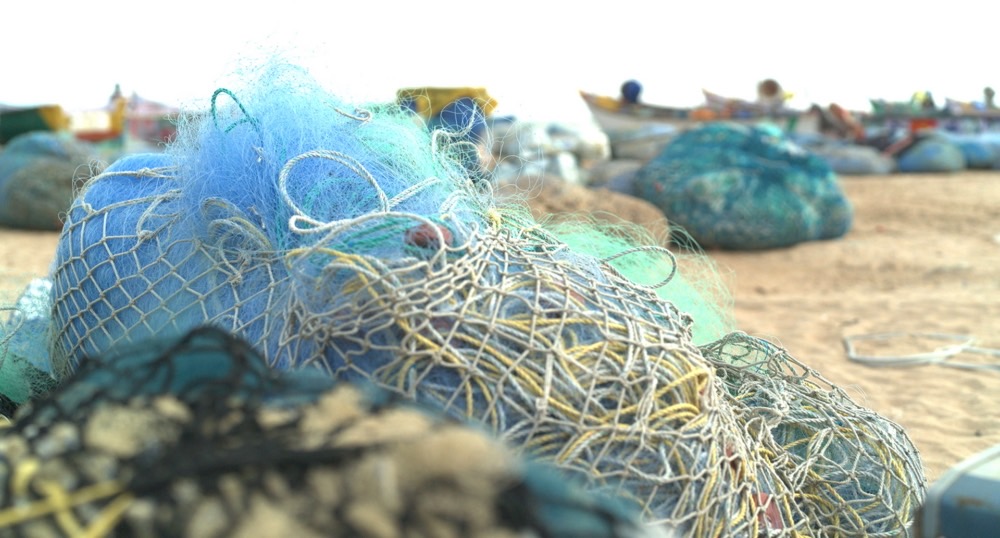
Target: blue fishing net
x=851, y=159
x=347, y=240
x=739, y=187
x=932, y=153
x=981, y=151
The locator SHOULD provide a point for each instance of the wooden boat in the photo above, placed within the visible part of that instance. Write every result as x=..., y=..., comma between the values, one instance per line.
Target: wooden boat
x=955, y=116
x=122, y=120
x=135, y=120
x=19, y=120
x=615, y=116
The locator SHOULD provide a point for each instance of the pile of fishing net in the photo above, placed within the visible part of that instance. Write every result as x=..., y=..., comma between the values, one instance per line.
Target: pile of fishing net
x=38, y=171
x=196, y=436
x=931, y=152
x=744, y=187
x=348, y=241
x=980, y=150
x=851, y=159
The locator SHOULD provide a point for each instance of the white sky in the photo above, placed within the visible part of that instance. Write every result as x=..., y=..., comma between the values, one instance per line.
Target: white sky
x=532, y=55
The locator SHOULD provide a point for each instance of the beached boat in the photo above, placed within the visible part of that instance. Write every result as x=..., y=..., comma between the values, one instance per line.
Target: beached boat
x=638, y=130
x=616, y=115
x=15, y=121
x=135, y=122
x=916, y=115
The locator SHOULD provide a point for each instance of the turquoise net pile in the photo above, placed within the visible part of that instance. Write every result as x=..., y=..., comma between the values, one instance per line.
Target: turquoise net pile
x=348, y=242
x=744, y=187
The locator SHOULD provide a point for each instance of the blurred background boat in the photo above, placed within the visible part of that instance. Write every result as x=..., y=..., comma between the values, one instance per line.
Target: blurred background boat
x=123, y=125
x=19, y=120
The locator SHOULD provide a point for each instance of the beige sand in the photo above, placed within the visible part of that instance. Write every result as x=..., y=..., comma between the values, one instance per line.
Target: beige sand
x=924, y=256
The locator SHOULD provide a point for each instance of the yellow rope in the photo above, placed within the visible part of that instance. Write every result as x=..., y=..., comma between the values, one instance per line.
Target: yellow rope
x=19, y=514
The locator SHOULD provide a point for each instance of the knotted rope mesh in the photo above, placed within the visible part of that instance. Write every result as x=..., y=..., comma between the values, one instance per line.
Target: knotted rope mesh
x=843, y=469
x=424, y=286
x=560, y=357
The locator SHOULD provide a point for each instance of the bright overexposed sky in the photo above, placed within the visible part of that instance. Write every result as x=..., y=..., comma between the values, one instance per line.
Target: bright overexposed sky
x=532, y=56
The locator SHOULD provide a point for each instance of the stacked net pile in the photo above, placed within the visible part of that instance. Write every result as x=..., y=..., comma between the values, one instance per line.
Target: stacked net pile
x=352, y=242
x=196, y=436
x=38, y=171
x=740, y=187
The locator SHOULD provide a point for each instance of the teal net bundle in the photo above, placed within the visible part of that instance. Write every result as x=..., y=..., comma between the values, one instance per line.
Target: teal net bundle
x=348, y=241
x=38, y=172
x=25, y=370
x=744, y=187
x=195, y=436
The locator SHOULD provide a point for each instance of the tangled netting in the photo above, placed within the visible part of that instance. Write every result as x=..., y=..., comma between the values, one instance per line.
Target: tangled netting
x=38, y=171
x=196, y=436
x=688, y=279
x=743, y=187
x=841, y=469
x=351, y=242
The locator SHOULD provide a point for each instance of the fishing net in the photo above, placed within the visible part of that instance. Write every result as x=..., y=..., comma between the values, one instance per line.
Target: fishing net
x=196, y=436
x=739, y=187
x=25, y=369
x=350, y=241
x=689, y=279
x=838, y=469
x=851, y=159
x=38, y=171
x=931, y=153
x=979, y=152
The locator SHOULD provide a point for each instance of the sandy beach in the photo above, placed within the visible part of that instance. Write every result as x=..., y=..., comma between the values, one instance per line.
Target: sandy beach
x=922, y=257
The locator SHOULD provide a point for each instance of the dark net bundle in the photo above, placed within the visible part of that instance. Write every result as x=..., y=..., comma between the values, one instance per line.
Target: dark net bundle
x=38, y=172
x=196, y=436
x=741, y=187
x=352, y=241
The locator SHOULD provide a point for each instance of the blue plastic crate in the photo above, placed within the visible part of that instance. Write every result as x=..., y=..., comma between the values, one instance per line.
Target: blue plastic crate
x=965, y=502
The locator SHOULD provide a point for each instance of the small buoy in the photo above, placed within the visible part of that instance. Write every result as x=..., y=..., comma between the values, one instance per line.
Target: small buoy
x=427, y=236
x=770, y=518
